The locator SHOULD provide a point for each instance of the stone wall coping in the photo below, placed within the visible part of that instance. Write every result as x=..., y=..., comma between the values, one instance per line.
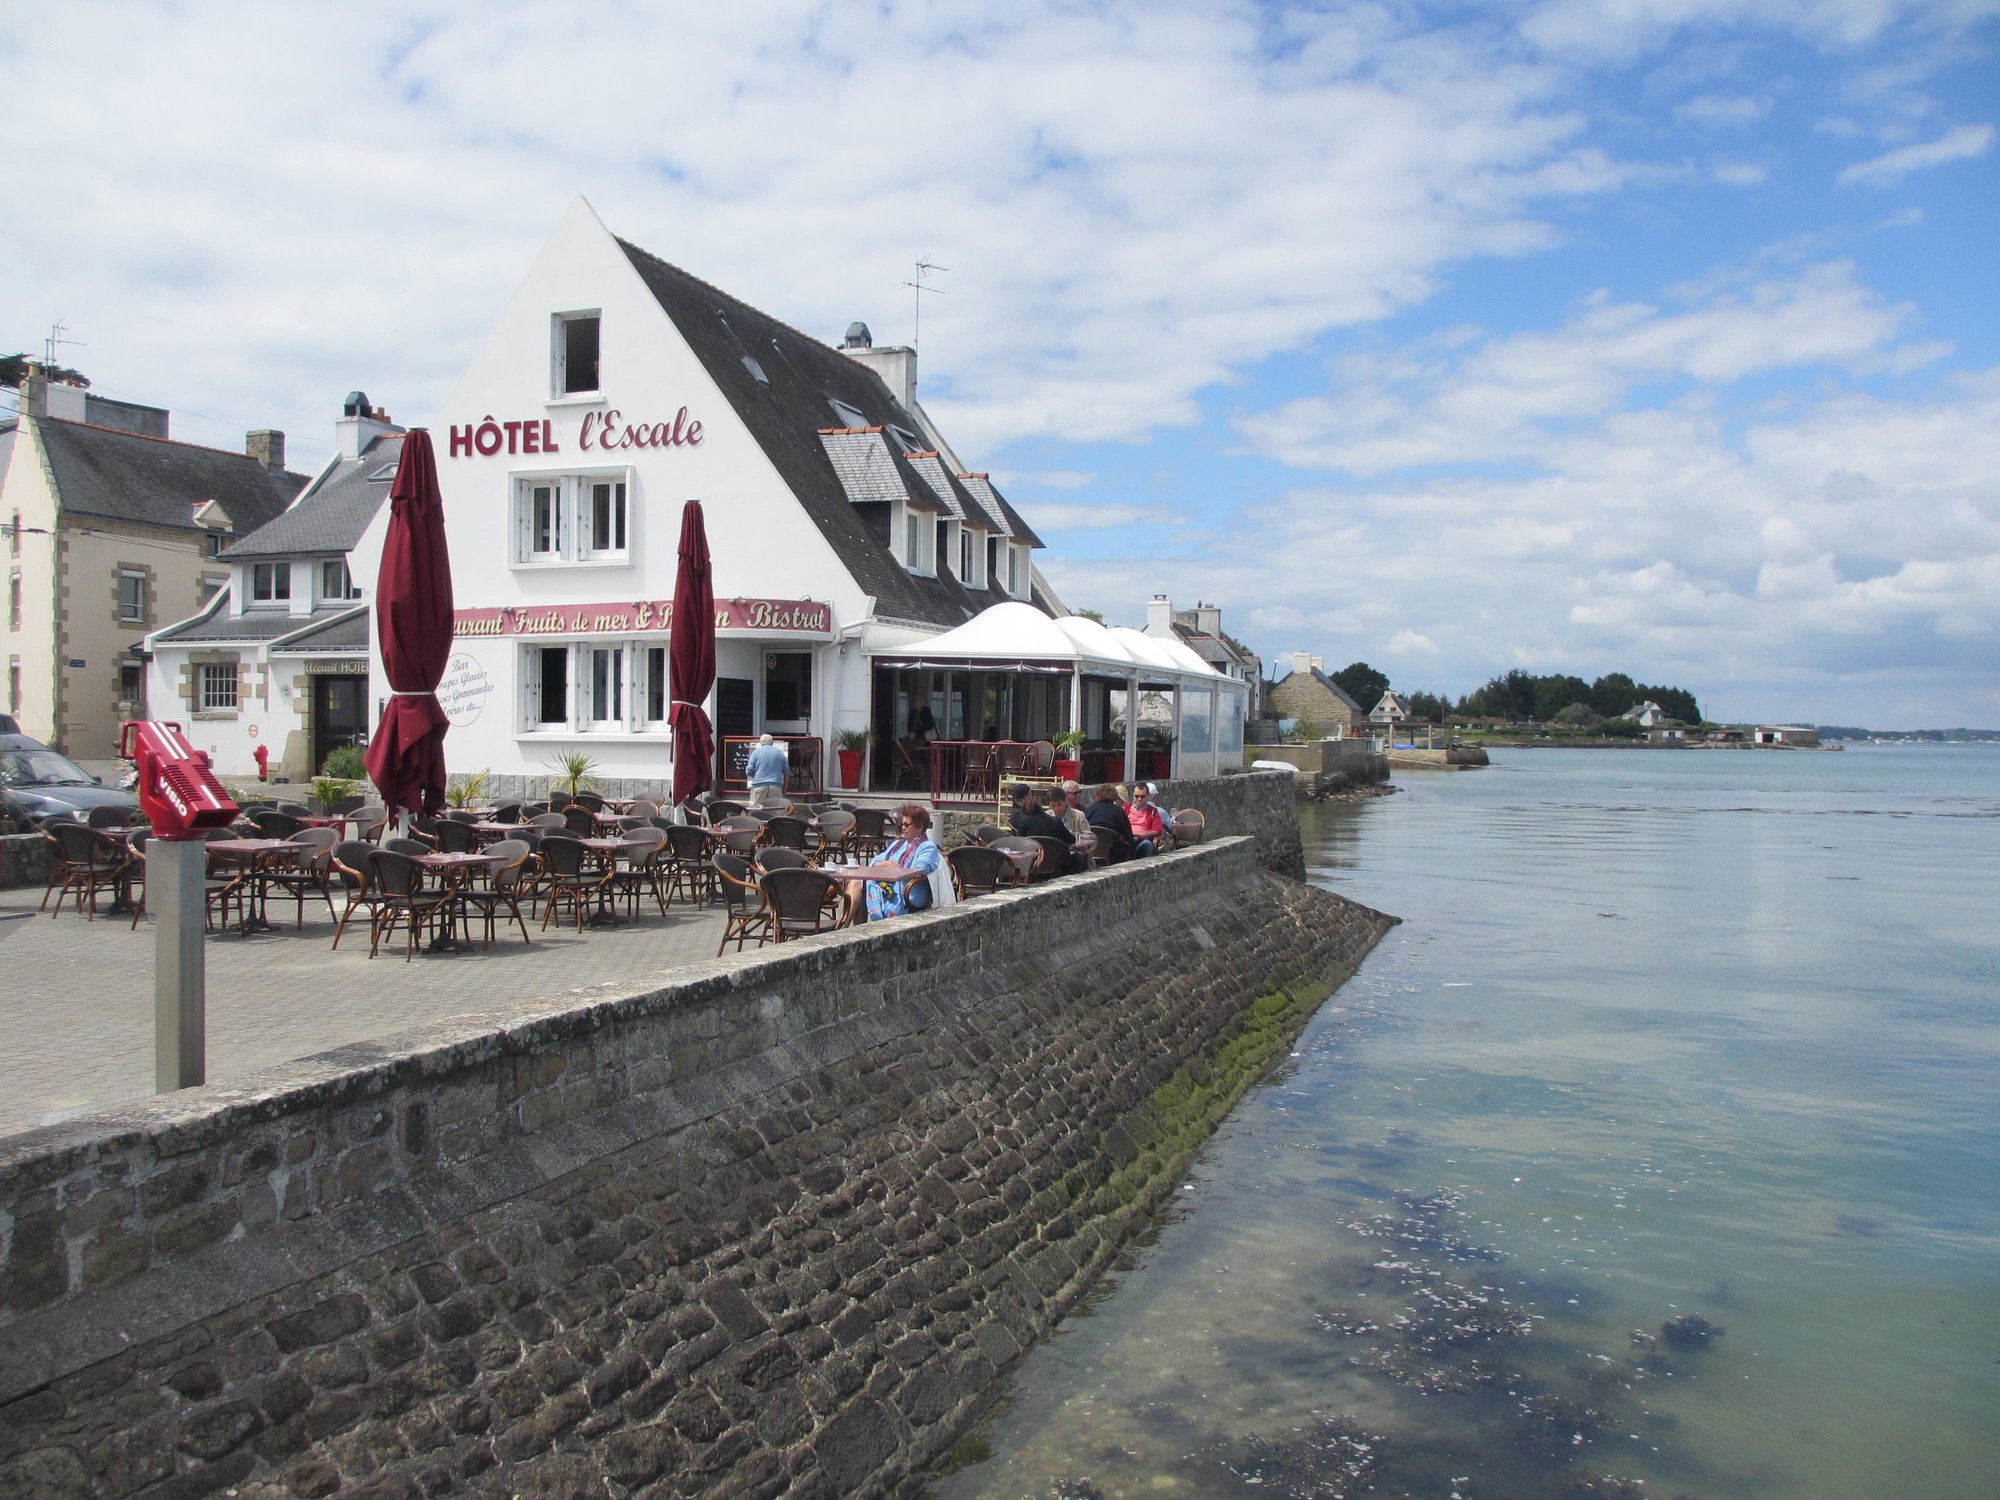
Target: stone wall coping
x=174, y=1124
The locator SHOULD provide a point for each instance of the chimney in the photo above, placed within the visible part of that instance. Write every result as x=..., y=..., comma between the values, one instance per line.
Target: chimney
x=267, y=446
x=1208, y=619
x=895, y=363
x=34, y=392
x=1159, y=615
x=1305, y=661
x=359, y=425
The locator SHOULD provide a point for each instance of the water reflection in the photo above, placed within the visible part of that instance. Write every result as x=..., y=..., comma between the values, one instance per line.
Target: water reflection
x=1651, y=1155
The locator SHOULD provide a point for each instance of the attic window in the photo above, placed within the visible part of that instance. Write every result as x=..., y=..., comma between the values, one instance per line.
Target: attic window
x=574, y=355
x=905, y=439
x=850, y=416
x=383, y=475
x=756, y=370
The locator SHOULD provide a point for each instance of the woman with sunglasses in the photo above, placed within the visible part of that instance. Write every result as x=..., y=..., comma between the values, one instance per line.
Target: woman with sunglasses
x=885, y=886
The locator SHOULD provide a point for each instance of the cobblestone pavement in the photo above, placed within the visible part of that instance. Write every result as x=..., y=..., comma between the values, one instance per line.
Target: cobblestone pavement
x=76, y=997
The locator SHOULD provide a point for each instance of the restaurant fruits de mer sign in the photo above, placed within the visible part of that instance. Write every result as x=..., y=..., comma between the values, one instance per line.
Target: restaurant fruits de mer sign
x=766, y=616
x=601, y=432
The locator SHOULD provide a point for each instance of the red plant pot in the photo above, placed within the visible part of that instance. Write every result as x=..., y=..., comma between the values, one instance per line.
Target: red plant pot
x=850, y=768
x=1068, y=770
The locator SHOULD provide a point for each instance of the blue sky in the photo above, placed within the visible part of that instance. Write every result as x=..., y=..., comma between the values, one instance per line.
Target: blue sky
x=1640, y=335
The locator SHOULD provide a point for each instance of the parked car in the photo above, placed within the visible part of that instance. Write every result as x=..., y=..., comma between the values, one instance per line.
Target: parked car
x=39, y=783
x=9, y=725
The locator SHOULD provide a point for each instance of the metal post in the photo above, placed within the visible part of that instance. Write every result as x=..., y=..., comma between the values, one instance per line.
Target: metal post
x=177, y=893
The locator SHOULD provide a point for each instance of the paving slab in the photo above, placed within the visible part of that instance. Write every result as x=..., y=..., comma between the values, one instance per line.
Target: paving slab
x=76, y=997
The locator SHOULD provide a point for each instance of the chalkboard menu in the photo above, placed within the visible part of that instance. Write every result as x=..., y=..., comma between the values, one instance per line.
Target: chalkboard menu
x=805, y=778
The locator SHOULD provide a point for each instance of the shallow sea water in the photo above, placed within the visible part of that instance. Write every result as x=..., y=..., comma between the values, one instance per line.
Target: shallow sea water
x=1663, y=1035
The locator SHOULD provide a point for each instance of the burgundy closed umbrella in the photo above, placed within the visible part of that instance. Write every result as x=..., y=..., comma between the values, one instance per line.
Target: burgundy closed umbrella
x=691, y=660
x=413, y=619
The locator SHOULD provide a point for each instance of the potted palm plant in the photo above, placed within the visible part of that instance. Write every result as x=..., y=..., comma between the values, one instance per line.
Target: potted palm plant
x=1068, y=765
x=848, y=747
x=468, y=790
x=572, y=772
x=328, y=791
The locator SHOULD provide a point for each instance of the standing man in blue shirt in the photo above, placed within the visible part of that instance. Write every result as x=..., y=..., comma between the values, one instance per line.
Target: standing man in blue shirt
x=766, y=768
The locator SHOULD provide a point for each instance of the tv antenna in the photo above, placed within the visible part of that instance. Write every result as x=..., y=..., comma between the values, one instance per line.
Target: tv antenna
x=917, y=289
x=55, y=340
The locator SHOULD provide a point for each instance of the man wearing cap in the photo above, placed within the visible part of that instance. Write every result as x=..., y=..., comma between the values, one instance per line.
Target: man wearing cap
x=766, y=770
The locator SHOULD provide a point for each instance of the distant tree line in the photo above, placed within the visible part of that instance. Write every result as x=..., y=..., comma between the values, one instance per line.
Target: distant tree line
x=1558, y=698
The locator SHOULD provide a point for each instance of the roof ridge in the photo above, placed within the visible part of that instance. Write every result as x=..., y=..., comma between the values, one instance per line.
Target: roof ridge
x=710, y=286
x=171, y=442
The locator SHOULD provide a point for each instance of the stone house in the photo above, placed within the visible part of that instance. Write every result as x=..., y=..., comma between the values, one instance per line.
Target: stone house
x=1306, y=692
x=111, y=529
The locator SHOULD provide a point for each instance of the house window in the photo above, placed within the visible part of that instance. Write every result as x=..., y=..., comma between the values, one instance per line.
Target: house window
x=270, y=583
x=1014, y=571
x=13, y=601
x=14, y=685
x=334, y=582
x=968, y=558
x=218, y=687
x=575, y=353
x=14, y=536
x=572, y=518
x=604, y=504
x=604, y=707
x=653, y=664
x=213, y=543
x=546, y=686
x=131, y=597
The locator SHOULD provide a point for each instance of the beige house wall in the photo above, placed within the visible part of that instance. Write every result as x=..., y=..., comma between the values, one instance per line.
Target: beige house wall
x=28, y=496
x=71, y=603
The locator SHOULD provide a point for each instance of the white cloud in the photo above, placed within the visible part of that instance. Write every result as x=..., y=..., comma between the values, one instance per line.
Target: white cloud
x=1891, y=167
x=1046, y=479
x=1723, y=110
x=1740, y=173
x=1057, y=515
x=1501, y=398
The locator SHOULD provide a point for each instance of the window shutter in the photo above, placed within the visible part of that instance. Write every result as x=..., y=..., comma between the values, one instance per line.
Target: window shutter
x=531, y=686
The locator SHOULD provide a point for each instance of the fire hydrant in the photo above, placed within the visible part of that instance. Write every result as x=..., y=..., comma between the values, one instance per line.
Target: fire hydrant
x=262, y=755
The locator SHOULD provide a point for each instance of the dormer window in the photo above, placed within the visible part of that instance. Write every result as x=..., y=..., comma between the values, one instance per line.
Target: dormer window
x=574, y=356
x=270, y=583
x=905, y=439
x=334, y=583
x=850, y=416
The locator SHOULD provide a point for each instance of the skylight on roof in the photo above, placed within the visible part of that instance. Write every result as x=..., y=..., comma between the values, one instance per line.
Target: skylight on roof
x=383, y=475
x=756, y=370
x=850, y=416
x=905, y=439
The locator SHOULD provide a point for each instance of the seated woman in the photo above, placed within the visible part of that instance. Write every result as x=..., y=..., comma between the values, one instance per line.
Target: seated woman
x=884, y=886
x=1106, y=815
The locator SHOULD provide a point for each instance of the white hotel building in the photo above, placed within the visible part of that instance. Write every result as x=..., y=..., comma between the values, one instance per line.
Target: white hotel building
x=844, y=534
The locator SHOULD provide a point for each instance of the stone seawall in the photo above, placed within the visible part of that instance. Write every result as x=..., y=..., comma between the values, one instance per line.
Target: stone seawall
x=772, y=1227
x=24, y=860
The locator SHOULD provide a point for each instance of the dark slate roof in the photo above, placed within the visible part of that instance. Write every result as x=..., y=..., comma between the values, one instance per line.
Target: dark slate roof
x=215, y=626
x=785, y=414
x=340, y=635
x=121, y=476
x=957, y=500
x=996, y=504
x=328, y=519
x=873, y=470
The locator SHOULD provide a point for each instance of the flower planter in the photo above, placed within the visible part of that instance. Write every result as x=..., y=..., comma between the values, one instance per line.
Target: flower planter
x=850, y=768
x=1114, y=765
x=1068, y=770
x=1155, y=765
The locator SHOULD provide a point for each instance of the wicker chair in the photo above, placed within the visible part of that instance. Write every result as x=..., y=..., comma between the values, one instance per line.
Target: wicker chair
x=986, y=833
x=746, y=914
x=1055, y=857
x=688, y=872
x=722, y=808
x=354, y=871
x=108, y=817
x=454, y=837
x=308, y=875
x=798, y=902
x=1190, y=826
x=640, y=865
x=778, y=857
x=404, y=900
x=87, y=862
x=870, y=834
x=510, y=881
x=273, y=823
x=567, y=876
x=787, y=833
x=581, y=821
x=977, y=870
x=835, y=835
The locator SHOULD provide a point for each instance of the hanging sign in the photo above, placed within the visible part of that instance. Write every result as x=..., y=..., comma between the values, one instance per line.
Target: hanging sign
x=760, y=616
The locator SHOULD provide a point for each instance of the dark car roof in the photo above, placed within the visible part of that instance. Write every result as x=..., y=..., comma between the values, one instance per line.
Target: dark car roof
x=8, y=725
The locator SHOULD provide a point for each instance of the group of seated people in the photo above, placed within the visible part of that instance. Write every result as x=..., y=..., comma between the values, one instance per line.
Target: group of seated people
x=1127, y=829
